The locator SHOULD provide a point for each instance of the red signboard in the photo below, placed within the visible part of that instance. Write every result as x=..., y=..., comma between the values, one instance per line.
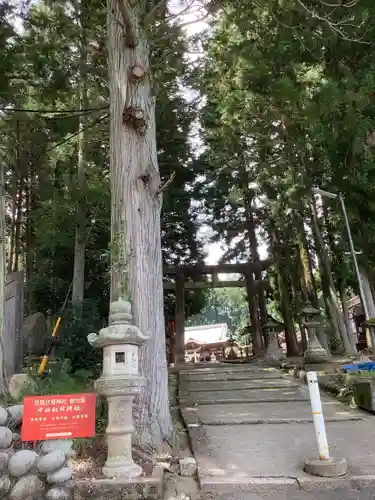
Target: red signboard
x=67, y=416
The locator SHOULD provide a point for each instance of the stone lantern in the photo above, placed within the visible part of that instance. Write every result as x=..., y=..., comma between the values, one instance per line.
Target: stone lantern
x=274, y=353
x=314, y=353
x=120, y=382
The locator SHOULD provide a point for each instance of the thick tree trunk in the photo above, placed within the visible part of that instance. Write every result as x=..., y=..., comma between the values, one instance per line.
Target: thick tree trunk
x=367, y=291
x=285, y=305
x=258, y=297
x=307, y=277
x=13, y=221
x=80, y=231
x=344, y=304
x=3, y=375
x=136, y=271
x=17, y=234
x=30, y=187
x=290, y=331
x=332, y=298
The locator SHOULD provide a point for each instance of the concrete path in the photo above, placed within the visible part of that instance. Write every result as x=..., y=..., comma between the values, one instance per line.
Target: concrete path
x=251, y=430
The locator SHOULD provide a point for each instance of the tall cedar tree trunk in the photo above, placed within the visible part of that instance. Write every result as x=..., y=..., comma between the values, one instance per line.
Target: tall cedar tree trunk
x=258, y=296
x=17, y=187
x=282, y=280
x=3, y=376
x=307, y=276
x=367, y=291
x=17, y=234
x=332, y=298
x=308, y=283
x=301, y=297
x=30, y=189
x=136, y=258
x=80, y=231
x=13, y=221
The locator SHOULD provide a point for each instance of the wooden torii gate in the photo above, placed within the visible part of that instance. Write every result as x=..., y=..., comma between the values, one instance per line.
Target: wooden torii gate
x=180, y=273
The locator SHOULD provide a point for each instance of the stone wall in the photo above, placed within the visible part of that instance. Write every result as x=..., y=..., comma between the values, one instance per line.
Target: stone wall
x=31, y=474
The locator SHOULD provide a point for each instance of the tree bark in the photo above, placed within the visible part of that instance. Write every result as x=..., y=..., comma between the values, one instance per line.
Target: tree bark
x=80, y=230
x=13, y=222
x=307, y=277
x=3, y=375
x=18, y=222
x=258, y=297
x=332, y=298
x=136, y=199
x=367, y=291
x=290, y=332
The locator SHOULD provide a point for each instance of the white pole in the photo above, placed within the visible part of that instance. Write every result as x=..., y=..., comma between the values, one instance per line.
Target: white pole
x=317, y=412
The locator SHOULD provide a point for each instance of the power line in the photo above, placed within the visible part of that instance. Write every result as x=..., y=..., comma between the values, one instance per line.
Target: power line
x=67, y=139
x=52, y=111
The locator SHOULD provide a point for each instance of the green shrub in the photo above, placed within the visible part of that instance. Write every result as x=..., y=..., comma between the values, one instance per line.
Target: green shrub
x=73, y=344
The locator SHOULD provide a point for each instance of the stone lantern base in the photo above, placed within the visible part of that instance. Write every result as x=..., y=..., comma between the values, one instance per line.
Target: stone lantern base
x=316, y=354
x=120, y=394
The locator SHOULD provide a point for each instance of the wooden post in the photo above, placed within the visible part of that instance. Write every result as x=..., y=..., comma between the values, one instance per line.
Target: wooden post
x=180, y=320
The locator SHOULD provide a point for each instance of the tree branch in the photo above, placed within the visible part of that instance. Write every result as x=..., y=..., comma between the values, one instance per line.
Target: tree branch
x=335, y=27
x=151, y=15
x=130, y=37
x=169, y=181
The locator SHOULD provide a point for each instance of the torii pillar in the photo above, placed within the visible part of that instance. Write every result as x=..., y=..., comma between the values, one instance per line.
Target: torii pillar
x=180, y=320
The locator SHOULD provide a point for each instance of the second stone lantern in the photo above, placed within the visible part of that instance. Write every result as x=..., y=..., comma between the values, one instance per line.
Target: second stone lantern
x=120, y=382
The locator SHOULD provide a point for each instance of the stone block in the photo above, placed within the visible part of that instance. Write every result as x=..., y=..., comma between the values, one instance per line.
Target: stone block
x=364, y=394
x=28, y=487
x=140, y=488
x=60, y=476
x=51, y=462
x=22, y=462
x=6, y=438
x=34, y=333
x=188, y=466
x=15, y=414
x=18, y=383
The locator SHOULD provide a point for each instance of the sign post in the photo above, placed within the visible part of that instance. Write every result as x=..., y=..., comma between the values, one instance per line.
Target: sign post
x=69, y=416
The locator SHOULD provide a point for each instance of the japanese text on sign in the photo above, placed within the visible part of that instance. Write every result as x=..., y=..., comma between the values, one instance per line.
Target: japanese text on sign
x=52, y=417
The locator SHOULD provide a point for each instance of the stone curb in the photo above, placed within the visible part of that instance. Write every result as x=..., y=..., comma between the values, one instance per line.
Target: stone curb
x=225, y=484
x=222, y=485
x=192, y=402
x=150, y=487
x=300, y=373
x=185, y=388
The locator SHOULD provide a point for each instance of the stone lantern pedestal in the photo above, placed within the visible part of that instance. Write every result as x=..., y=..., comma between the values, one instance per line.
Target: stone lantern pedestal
x=120, y=382
x=274, y=353
x=315, y=352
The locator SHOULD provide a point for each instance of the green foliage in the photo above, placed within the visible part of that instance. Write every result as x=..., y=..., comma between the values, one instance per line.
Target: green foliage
x=73, y=344
x=288, y=105
x=40, y=150
x=224, y=305
x=62, y=380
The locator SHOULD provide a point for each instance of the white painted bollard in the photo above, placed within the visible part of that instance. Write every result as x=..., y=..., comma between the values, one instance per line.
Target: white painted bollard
x=317, y=412
x=325, y=465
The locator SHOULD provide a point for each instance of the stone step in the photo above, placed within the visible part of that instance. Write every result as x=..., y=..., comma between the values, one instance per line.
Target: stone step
x=238, y=375
x=234, y=385
x=265, y=413
x=244, y=396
